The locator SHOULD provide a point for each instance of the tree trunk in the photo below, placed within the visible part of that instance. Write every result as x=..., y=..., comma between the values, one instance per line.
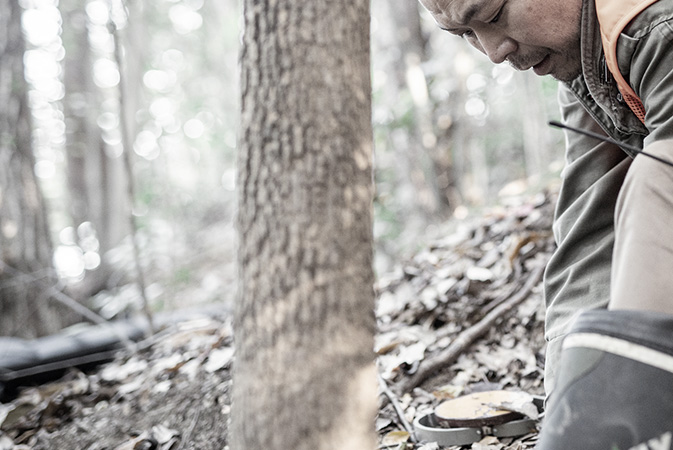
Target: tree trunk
x=25, y=248
x=83, y=140
x=95, y=179
x=425, y=161
x=304, y=376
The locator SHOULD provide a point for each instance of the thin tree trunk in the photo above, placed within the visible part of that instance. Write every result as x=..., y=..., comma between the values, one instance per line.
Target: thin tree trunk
x=81, y=141
x=424, y=157
x=95, y=180
x=25, y=248
x=304, y=376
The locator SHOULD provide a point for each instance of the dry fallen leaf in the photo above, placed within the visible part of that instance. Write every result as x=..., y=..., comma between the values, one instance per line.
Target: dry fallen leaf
x=135, y=443
x=165, y=436
x=447, y=392
x=488, y=443
x=429, y=446
x=395, y=438
x=219, y=358
x=4, y=412
x=479, y=274
x=6, y=443
x=523, y=405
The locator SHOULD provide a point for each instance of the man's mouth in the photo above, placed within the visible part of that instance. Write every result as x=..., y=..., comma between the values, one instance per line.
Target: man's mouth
x=543, y=67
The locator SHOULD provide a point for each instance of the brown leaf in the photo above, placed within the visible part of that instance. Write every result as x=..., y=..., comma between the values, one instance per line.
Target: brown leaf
x=395, y=438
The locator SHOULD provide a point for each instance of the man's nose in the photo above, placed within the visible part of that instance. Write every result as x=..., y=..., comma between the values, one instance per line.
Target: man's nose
x=496, y=47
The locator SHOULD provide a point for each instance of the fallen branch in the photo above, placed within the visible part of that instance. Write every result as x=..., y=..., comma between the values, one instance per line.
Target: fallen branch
x=71, y=303
x=54, y=293
x=465, y=339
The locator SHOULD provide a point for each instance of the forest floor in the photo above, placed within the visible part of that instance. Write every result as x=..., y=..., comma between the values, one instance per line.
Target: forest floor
x=462, y=315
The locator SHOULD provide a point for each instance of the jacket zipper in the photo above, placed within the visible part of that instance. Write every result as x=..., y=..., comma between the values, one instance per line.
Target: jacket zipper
x=605, y=77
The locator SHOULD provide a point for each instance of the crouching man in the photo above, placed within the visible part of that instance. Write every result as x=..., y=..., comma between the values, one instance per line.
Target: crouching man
x=609, y=285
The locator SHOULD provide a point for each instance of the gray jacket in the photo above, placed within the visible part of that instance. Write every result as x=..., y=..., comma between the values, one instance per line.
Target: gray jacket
x=578, y=275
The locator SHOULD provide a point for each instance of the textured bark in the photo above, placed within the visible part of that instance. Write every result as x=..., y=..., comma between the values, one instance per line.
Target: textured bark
x=304, y=376
x=25, y=249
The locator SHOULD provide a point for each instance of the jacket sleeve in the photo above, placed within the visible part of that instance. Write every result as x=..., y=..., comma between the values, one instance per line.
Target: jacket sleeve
x=643, y=253
x=578, y=274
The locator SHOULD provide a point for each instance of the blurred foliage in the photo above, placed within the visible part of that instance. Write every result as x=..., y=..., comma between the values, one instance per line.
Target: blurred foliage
x=449, y=129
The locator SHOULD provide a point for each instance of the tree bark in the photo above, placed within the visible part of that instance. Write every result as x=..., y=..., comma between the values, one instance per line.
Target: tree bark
x=304, y=376
x=25, y=248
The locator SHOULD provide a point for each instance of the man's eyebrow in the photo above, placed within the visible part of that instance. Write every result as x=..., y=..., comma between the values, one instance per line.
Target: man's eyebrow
x=469, y=13
x=462, y=20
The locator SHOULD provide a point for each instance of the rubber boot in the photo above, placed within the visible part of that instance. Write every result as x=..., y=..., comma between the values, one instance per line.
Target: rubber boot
x=614, y=389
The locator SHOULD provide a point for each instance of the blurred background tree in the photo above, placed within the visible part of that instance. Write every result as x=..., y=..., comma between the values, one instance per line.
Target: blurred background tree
x=452, y=134
x=25, y=244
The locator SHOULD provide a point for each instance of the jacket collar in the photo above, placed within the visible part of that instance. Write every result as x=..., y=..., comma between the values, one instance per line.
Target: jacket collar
x=596, y=88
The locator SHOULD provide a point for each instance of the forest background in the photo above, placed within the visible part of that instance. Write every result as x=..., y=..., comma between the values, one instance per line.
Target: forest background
x=151, y=88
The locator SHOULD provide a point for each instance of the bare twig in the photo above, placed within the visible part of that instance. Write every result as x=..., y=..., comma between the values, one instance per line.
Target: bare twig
x=126, y=143
x=398, y=408
x=190, y=430
x=514, y=287
x=469, y=336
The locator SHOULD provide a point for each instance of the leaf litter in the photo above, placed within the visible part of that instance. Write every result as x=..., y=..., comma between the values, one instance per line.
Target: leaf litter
x=175, y=393
x=435, y=299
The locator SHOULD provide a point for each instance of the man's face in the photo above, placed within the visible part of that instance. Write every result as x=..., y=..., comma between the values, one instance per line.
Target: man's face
x=540, y=34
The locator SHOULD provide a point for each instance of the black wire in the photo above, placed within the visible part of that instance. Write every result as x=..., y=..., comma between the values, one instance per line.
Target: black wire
x=556, y=124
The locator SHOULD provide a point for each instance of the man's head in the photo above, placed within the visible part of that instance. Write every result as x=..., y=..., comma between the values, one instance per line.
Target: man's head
x=540, y=34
